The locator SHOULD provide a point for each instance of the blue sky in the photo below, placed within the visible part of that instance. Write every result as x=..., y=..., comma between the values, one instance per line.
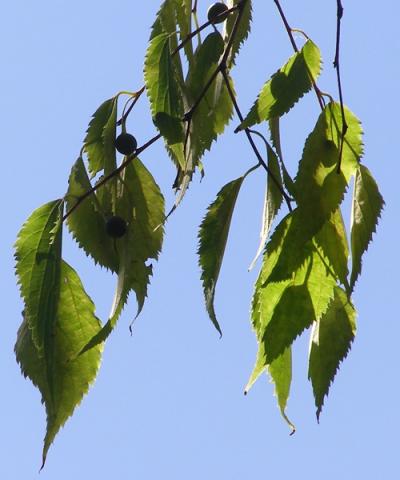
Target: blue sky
x=168, y=402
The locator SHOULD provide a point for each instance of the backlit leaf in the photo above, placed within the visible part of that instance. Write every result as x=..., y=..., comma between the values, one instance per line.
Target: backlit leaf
x=319, y=187
x=272, y=201
x=286, y=86
x=331, y=340
x=367, y=207
x=242, y=32
x=38, y=257
x=65, y=381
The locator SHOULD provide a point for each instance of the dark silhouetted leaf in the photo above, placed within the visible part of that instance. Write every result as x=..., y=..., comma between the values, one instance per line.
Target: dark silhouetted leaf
x=212, y=241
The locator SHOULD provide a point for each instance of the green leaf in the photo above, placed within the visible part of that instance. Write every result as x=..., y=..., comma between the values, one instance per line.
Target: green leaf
x=280, y=372
x=163, y=89
x=366, y=211
x=213, y=235
x=303, y=300
x=274, y=127
x=65, y=381
x=215, y=109
x=319, y=187
x=87, y=222
x=242, y=31
x=100, y=137
x=286, y=86
x=272, y=202
x=331, y=340
x=141, y=204
x=38, y=257
x=184, y=20
x=333, y=245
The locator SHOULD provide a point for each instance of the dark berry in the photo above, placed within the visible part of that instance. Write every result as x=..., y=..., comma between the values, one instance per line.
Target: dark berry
x=125, y=143
x=215, y=13
x=116, y=227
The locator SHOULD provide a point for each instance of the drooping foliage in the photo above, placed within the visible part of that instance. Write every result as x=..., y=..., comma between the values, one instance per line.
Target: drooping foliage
x=309, y=267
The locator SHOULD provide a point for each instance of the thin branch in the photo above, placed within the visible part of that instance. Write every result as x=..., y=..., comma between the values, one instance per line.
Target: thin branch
x=126, y=114
x=115, y=172
x=291, y=38
x=336, y=65
x=252, y=144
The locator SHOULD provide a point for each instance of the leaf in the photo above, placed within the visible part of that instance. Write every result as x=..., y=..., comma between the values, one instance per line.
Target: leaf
x=331, y=340
x=242, y=31
x=319, y=187
x=332, y=243
x=63, y=383
x=100, y=137
x=286, y=86
x=302, y=300
x=274, y=127
x=213, y=235
x=215, y=109
x=38, y=257
x=272, y=202
x=141, y=204
x=366, y=211
x=280, y=372
x=184, y=20
x=163, y=89
x=87, y=223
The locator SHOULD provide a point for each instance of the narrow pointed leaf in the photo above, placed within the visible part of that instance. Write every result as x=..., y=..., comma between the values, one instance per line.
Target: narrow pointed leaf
x=184, y=20
x=213, y=236
x=286, y=86
x=280, y=373
x=38, y=257
x=100, y=136
x=274, y=128
x=272, y=202
x=70, y=377
x=242, y=32
x=331, y=340
x=366, y=211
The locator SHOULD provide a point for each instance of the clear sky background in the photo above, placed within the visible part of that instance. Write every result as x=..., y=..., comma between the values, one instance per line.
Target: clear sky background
x=168, y=402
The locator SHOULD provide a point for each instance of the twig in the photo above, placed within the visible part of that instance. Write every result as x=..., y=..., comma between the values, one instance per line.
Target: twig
x=336, y=65
x=252, y=144
x=126, y=114
x=115, y=172
x=291, y=38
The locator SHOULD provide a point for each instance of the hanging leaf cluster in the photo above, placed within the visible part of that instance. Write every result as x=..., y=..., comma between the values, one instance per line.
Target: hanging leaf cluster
x=114, y=210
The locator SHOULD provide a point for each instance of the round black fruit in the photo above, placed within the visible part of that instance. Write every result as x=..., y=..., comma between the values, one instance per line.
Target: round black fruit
x=215, y=13
x=116, y=227
x=125, y=143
